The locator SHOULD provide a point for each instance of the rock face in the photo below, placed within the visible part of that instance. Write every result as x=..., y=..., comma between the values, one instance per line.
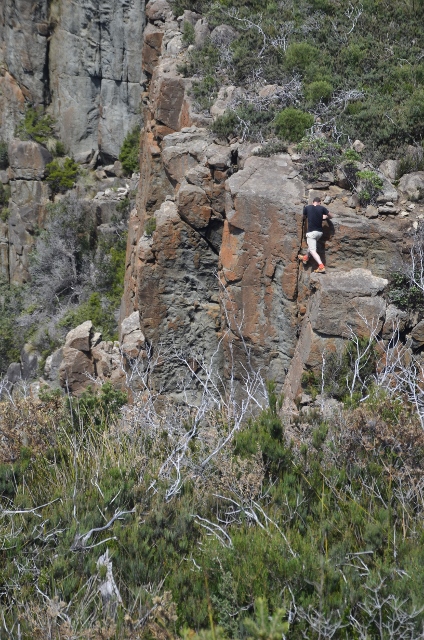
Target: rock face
x=344, y=304
x=95, y=54
x=82, y=58
x=28, y=160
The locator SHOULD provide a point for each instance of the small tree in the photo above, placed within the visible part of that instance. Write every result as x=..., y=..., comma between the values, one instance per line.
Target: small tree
x=291, y=124
x=61, y=176
x=129, y=155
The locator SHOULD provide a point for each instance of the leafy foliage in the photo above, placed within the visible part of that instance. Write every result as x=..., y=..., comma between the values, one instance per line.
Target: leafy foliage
x=36, y=126
x=129, y=154
x=4, y=155
x=404, y=293
x=371, y=185
x=291, y=124
x=61, y=176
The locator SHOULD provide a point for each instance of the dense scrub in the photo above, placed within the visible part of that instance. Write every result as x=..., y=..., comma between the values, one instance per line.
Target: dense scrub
x=318, y=523
x=357, y=67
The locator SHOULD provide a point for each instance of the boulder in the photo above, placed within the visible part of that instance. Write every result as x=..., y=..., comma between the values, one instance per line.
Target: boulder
x=201, y=33
x=396, y=320
x=412, y=185
x=388, y=192
x=107, y=360
x=152, y=46
x=417, y=335
x=223, y=35
x=389, y=169
x=193, y=206
x=29, y=361
x=158, y=10
x=226, y=95
x=79, y=338
x=52, y=366
x=28, y=160
x=75, y=370
x=132, y=338
x=358, y=146
x=341, y=305
x=14, y=373
x=189, y=16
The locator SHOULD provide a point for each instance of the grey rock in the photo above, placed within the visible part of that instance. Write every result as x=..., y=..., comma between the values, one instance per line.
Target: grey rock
x=52, y=366
x=371, y=211
x=223, y=35
x=358, y=146
x=417, y=335
x=201, y=33
x=396, y=320
x=23, y=37
x=412, y=185
x=96, y=74
x=14, y=373
x=132, y=338
x=75, y=370
x=79, y=338
x=28, y=160
x=4, y=176
x=389, y=169
x=158, y=10
x=388, y=192
x=29, y=362
x=189, y=16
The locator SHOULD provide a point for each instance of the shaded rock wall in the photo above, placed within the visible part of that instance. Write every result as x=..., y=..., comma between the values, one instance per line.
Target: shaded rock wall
x=82, y=59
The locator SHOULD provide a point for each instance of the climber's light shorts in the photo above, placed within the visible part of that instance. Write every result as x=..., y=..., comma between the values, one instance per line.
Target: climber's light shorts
x=311, y=238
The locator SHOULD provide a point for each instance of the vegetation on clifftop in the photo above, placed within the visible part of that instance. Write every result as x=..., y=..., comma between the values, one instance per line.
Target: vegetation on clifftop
x=357, y=67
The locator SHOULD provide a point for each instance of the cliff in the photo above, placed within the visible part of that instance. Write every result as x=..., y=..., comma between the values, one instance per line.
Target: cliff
x=212, y=272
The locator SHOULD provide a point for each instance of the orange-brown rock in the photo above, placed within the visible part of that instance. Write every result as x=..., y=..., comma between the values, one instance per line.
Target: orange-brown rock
x=152, y=46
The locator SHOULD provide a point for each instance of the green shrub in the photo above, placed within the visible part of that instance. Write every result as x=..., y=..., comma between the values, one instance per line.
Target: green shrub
x=60, y=175
x=97, y=309
x=204, y=91
x=371, y=186
x=188, y=33
x=318, y=91
x=4, y=155
x=4, y=201
x=150, y=226
x=299, y=55
x=271, y=148
x=319, y=155
x=36, y=126
x=129, y=154
x=404, y=293
x=291, y=124
x=410, y=162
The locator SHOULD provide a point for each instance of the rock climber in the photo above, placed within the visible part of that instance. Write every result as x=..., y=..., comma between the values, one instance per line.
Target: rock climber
x=314, y=213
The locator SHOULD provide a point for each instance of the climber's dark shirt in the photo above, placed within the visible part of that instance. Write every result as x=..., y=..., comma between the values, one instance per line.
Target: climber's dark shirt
x=314, y=215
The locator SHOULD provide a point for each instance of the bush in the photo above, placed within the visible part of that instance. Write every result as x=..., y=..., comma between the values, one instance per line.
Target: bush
x=36, y=126
x=4, y=155
x=61, y=176
x=291, y=124
x=404, y=293
x=150, y=226
x=410, y=162
x=319, y=155
x=371, y=185
x=129, y=154
x=4, y=201
x=299, y=55
x=188, y=33
x=319, y=91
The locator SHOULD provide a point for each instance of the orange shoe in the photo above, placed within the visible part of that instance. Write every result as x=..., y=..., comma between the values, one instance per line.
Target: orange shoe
x=304, y=258
x=321, y=269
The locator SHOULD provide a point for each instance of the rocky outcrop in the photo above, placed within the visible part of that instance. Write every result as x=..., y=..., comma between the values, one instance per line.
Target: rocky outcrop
x=207, y=207
x=87, y=360
x=341, y=305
